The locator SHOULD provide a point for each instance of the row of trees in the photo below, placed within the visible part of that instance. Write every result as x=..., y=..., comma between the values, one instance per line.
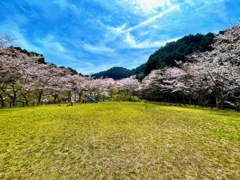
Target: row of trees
x=210, y=77
x=24, y=79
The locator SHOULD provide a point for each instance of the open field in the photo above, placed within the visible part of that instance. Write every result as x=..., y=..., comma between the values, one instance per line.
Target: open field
x=119, y=140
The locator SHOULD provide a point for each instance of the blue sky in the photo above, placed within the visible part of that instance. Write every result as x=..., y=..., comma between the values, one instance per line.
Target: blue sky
x=95, y=35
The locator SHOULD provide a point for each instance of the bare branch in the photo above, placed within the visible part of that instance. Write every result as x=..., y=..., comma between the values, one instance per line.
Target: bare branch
x=5, y=41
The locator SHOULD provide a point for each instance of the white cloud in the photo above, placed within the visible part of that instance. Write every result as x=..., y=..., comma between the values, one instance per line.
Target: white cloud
x=65, y=4
x=119, y=30
x=190, y=2
x=201, y=3
x=145, y=7
x=50, y=42
x=130, y=40
x=98, y=49
x=126, y=33
x=154, y=18
x=153, y=5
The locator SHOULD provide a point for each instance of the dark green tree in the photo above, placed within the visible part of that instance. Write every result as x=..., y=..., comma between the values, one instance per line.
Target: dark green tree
x=115, y=73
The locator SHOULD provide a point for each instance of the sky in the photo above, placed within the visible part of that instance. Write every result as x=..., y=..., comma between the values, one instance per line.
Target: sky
x=94, y=35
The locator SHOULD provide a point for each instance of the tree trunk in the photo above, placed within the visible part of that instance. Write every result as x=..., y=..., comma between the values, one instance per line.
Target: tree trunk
x=25, y=98
x=219, y=103
x=176, y=99
x=69, y=96
x=55, y=97
x=14, y=99
x=2, y=101
x=40, y=96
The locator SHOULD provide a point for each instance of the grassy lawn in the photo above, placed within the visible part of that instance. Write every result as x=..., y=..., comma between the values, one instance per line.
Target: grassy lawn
x=115, y=140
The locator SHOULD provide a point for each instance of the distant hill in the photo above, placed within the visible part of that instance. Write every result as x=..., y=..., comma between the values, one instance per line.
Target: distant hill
x=115, y=73
x=165, y=56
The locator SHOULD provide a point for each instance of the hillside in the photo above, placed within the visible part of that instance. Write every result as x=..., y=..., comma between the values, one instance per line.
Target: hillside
x=165, y=56
x=115, y=73
x=178, y=50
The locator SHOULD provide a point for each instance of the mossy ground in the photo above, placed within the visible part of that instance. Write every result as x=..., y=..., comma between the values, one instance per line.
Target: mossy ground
x=119, y=140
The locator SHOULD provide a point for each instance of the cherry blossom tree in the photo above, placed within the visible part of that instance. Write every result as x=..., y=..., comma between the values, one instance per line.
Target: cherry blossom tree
x=105, y=88
x=5, y=42
x=79, y=85
x=217, y=72
x=21, y=75
x=57, y=81
x=162, y=84
x=128, y=87
x=16, y=72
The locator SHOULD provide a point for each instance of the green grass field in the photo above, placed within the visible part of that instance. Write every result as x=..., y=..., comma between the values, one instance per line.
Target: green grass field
x=119, y=140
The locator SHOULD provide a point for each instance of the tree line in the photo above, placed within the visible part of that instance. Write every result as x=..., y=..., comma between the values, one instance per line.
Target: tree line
x=203, y=77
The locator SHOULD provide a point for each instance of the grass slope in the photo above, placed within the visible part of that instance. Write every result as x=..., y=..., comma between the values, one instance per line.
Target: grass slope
x=119, y=141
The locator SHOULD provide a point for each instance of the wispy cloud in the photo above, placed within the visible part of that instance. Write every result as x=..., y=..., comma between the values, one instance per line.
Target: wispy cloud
x=154, y=18
x=98, y=49
x=146, y=7
x=66, y=5
x=51, y=42
x=147, y=43
x=128, y=37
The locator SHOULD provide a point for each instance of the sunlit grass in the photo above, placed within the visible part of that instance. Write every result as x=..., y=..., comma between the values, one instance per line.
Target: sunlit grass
x=119, y=140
